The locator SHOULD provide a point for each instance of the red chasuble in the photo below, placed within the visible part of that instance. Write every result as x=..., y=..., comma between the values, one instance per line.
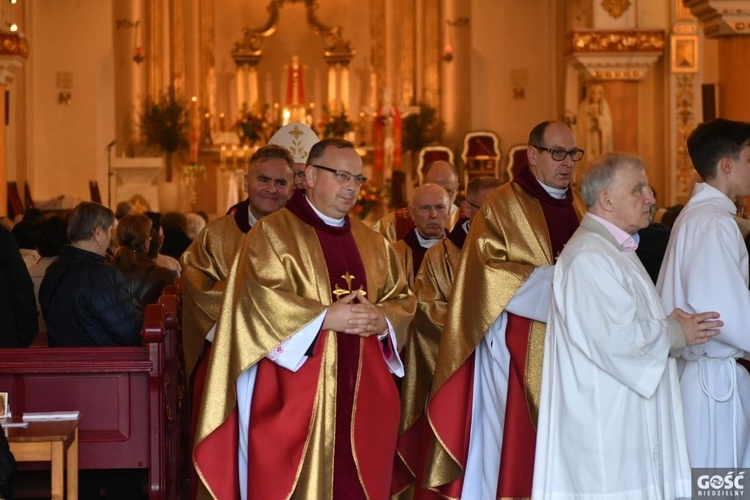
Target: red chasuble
x=367, y=404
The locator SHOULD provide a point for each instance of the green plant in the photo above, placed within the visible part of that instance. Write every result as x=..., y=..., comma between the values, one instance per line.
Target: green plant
x=337, y=125
x=164, y=122
x=421, y=129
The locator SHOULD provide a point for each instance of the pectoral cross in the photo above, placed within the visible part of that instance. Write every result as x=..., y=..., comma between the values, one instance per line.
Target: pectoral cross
x=348, y=277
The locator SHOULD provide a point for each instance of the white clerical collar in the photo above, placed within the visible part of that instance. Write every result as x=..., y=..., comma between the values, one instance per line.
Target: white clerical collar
x=328, y=220
x=554, y=192
x=424, y=242
x=250, y=217
x=453, y=209
x=466, y=226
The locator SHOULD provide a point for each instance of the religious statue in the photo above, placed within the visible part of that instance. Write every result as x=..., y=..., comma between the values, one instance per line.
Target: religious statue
x=594, y=128
x=295, y=92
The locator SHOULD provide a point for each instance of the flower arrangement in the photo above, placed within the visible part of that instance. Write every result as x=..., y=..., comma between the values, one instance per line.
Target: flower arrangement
x=338, y=124
x=370, y=196
x=252, y=125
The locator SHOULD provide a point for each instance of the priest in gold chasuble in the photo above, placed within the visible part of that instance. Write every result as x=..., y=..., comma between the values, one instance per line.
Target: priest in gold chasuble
x=429, y=211
x=432, y=287
x=208, y=259
x=300, y=399
x=395, y=225
x=485, y=392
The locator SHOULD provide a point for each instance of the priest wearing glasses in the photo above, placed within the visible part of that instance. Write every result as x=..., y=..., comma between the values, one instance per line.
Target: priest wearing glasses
x=484, y=400
x=300, y=397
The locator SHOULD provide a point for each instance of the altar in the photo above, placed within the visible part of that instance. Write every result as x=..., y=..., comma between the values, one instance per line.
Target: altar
x=136, y=176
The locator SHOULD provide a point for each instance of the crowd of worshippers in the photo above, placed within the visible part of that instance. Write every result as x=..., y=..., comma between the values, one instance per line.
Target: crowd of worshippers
x=84, y=277
x=531, y=339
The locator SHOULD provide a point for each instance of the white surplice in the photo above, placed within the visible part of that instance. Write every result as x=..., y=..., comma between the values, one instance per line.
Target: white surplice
x=610, y=418
x=706, y=269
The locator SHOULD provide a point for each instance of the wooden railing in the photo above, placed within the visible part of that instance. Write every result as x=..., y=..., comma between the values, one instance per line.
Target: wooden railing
x=131, y=399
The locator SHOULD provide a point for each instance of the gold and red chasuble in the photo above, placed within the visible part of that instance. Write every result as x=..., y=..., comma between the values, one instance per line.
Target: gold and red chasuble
x=520, y=228
x=331, y=426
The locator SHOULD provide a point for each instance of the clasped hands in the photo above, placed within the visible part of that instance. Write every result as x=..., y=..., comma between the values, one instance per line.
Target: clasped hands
x=698, y=328
x=355, y=315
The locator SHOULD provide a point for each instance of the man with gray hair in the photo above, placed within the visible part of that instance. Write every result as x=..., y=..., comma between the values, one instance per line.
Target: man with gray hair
x=395, y=225
x=609, y=380
x=429, y=210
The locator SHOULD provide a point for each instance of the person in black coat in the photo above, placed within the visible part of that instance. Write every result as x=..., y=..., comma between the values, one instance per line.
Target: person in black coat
x=7, y=467
x=83, y=300
x=18, y=314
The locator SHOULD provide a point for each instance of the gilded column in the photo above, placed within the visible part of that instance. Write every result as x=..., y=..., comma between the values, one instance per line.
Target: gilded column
x=684, y=84
x=377, y=50
x=14, y=50
x=432, y=19
x=332, y=86
x=407, y=53
x=154, y=46
x=206, y=69
x=252, y=85
x=455, y=63
x=130, y=59
x=241, y=76
x=177, y=30
x=246, y=55
x=344, y=76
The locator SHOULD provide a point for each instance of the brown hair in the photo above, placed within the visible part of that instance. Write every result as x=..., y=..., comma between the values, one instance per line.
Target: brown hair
x=133, y=232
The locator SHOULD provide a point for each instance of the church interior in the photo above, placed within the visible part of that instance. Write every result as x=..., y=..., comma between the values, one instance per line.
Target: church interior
x=162, y=103
x=392, y=76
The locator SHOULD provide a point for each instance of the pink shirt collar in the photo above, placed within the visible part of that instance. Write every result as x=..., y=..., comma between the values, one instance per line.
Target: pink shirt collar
x=627, y=241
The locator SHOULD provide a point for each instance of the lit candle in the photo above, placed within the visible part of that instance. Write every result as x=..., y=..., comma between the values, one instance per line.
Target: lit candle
x=287, y=114
x=223, y=154
x=194, y=133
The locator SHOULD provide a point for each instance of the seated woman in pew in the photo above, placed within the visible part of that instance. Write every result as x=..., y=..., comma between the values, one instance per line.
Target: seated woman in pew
x=83, y=300
x=144, y=280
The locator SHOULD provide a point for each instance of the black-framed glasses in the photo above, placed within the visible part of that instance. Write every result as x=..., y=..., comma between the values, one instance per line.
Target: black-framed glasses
x=342, y=175
x=472, y=204
x=560, y=154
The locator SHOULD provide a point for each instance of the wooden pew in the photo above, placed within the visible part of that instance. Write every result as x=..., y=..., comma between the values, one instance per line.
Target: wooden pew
x=129, y=397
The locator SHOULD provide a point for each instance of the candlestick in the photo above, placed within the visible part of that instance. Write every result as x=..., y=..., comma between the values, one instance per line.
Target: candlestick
x=194, y=133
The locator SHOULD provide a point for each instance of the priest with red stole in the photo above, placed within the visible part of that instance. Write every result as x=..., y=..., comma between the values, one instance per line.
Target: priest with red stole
x=484, y=398
x=300, y=399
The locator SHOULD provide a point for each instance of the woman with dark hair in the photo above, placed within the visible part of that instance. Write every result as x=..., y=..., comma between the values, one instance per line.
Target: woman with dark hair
x=144, y=280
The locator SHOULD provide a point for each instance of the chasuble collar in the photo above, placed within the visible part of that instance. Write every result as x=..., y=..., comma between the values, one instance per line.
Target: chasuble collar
x=305, y=211
x=241, y=212
x=427, y=242
x=530, y=183
x=458, y=235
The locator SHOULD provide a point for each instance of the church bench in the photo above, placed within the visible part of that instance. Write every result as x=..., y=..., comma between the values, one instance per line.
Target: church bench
x=129, y=397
